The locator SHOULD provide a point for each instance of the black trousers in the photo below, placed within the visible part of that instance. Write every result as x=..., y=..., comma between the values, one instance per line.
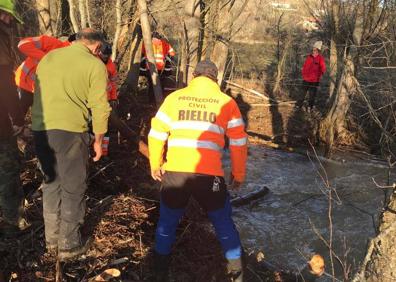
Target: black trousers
x=11, y=193
x=178, y=187
x=63, y=157
x=310, y=88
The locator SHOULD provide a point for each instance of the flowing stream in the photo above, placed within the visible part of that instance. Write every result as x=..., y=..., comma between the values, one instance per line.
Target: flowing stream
x=282, y=223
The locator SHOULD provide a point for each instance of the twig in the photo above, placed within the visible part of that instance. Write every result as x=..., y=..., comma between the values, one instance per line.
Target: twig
x=140, y=245
x=145, y=199
x=383, y=187
x=100, y=170
x=58, y=270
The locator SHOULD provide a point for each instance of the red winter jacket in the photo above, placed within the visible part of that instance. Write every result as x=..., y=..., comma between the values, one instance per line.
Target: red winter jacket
x=313, y=68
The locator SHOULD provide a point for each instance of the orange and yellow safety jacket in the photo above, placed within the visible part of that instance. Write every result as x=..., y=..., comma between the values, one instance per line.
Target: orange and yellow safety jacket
x=35, y=48
x=162, y=53
x=194, y=121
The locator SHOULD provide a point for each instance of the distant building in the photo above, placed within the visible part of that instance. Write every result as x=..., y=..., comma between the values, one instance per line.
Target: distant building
x=282, y=6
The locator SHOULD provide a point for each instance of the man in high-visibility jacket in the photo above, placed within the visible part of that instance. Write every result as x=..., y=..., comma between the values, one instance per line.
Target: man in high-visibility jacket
x=163, y=54
x=35, y=48
x=193, y=122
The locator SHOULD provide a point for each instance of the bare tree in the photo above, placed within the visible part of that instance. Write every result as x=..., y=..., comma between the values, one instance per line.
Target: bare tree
x=72, y=15
x=146, y=31
x=83, y=14
x=118, y=8
x=48, y=12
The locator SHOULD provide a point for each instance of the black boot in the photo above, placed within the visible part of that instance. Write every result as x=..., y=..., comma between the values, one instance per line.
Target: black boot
x=161, y=267
x=235, y=269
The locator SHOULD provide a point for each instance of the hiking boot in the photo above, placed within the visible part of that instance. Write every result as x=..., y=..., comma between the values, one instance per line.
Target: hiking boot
x=75, y=253
x=161, y=267
x=235, y=269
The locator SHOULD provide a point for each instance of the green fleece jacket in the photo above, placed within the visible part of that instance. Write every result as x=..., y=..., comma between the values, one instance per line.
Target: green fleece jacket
x=70, y=87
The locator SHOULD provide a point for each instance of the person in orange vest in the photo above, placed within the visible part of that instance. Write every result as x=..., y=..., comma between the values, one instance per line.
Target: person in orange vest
x=193, y=122
x=35, y=48
x=163, y=54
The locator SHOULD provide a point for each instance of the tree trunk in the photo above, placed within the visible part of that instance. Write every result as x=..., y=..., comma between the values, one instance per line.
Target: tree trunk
x=192, y=31
x=118, y=29
x=72, y=15
x=135, y=56
x=335, y=30
x=146, y=31
x=333, y=66
x=380, y=261
x=83, y=14
x=88, y=13
x=47, y=12
x=281, y=66
x=332, y=127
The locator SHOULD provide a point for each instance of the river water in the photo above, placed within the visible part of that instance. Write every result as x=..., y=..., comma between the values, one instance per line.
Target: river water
x=282, y=223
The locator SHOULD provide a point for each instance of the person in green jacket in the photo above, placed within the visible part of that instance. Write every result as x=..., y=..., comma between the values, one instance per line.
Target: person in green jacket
x=70, y=89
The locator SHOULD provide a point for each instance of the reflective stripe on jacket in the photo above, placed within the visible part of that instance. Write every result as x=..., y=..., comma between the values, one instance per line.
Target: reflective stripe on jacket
x=313, y=68
x=34, y=48
x=194, y=121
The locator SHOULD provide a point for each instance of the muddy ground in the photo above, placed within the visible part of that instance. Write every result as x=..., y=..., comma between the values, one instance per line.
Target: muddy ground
x=123, y=207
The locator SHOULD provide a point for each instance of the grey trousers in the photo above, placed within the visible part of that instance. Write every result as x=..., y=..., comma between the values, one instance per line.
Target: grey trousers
x=11, y=194
x=63, y=158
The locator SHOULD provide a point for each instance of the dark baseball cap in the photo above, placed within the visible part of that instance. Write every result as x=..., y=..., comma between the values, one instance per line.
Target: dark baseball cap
x=206, y=68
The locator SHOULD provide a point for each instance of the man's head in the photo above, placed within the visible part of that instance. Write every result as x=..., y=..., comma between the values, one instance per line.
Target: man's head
x=91, y=38
x=8, y=12
x=105, y=52
x=206, y=68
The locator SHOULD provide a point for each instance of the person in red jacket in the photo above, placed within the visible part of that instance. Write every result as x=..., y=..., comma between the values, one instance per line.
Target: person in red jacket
x=34, y=48
x=313, y=69
x=105, y=54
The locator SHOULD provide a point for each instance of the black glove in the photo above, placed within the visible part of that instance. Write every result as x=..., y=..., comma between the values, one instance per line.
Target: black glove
x=113, y=104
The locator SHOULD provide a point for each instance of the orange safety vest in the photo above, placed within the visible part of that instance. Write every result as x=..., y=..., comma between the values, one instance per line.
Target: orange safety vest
x=34, y=48
x=162, y=51
x=193, y=122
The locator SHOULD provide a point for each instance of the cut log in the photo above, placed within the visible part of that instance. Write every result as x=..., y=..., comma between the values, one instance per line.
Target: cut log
x=247, y=198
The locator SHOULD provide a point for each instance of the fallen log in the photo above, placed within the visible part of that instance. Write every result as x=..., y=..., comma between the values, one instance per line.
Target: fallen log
x=249, y=90
x=251, y=196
